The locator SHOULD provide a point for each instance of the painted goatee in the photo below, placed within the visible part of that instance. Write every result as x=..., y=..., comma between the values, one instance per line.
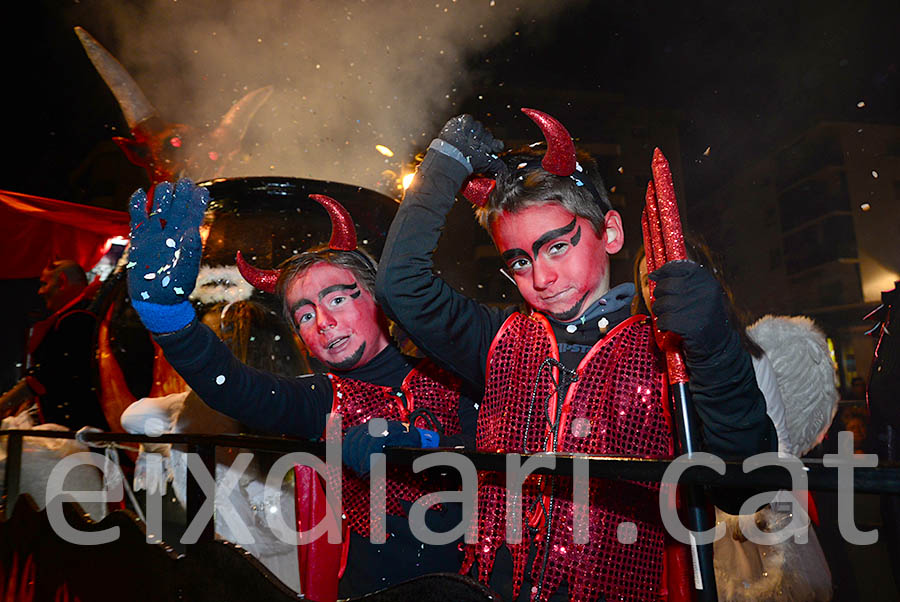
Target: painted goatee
x=350, y=361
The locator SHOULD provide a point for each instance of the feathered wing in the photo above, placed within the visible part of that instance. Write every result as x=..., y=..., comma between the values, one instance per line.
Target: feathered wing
x=805, y=373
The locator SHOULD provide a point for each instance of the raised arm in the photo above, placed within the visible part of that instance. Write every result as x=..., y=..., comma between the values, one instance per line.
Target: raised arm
x=164, y=259
x=451, y=328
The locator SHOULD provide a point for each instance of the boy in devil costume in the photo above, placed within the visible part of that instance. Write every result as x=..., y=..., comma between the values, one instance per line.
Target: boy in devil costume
x=575, y=372
x=328, y=298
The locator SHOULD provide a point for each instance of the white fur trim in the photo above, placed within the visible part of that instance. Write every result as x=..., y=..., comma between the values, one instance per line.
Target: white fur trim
x=805, y=373
x=221, y=283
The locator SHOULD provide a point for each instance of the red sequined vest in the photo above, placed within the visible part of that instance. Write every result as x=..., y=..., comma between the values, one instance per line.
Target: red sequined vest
x=618, y=407
x=425, y=387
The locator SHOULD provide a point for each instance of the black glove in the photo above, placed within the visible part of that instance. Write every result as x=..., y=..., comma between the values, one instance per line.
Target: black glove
x=690, y=302
x=474, y=141
x=359, y=445
x=164, y=256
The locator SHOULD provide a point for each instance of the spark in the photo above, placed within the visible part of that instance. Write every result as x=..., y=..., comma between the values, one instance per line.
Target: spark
x=384, y=150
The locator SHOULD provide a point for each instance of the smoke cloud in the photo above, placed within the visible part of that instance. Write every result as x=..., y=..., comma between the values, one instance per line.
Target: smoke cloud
x=347, y=75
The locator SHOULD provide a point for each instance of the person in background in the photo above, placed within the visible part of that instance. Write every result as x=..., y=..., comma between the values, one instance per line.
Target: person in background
x=60, y=372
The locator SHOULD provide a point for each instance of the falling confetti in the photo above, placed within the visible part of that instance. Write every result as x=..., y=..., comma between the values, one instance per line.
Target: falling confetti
x=861, y=104
x=865, y=206
x=874, y=174
x=706, y=152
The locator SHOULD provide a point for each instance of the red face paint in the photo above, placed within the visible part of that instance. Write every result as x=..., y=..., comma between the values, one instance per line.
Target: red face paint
x=337, y=319
x=560, y=265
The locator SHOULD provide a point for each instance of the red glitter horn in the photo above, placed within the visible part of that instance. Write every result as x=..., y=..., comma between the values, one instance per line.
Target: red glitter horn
x=560, y=156
x=343, y=233
x=264, y=280
x=478, y=190
x=343, y=238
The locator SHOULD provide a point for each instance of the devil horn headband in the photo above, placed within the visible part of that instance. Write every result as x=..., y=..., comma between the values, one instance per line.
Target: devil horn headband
x=560, y=156
x=558, y=160
x=343, y=238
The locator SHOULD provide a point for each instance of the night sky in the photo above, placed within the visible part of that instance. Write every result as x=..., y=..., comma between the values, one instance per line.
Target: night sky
x=742, y=78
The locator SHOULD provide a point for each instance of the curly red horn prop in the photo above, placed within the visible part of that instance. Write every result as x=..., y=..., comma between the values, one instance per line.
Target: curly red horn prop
x=264, y=280
x=343, y=233
x=560, y=157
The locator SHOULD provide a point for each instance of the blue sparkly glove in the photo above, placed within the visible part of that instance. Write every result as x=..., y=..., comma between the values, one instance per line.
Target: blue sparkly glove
x=164, y=256
x=359, y=444
x=475, y=145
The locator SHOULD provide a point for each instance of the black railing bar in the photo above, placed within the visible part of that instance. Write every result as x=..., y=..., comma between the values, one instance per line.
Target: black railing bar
x=261, y=443
x=882, y=479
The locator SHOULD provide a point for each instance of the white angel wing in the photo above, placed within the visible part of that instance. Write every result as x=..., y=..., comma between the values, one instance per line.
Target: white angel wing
x=805, y=373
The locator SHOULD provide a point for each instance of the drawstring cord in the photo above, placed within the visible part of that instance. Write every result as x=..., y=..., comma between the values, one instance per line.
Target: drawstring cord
x=566, y=378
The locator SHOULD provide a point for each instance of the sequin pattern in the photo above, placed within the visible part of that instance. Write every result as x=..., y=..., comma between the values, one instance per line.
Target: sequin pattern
x=427, y=386
x=620, y=395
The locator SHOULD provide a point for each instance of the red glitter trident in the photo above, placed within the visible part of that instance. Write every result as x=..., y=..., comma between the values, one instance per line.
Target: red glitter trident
x=663, y=242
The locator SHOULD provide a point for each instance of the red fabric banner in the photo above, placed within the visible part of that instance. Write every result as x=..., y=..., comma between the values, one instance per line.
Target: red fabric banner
x=34, y=230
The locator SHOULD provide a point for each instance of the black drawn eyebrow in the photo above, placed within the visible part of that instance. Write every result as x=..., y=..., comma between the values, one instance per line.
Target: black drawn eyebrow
x=551, y=234
x=337, y=287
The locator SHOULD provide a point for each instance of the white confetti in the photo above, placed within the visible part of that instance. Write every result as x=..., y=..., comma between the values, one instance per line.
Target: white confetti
x=165, y=281
x=874, y=174
x=149, y=276
x=178, y=290
x=130, y=264
x=144, y=295
x=170, y=243
x=861, y=104
x=220, y=379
